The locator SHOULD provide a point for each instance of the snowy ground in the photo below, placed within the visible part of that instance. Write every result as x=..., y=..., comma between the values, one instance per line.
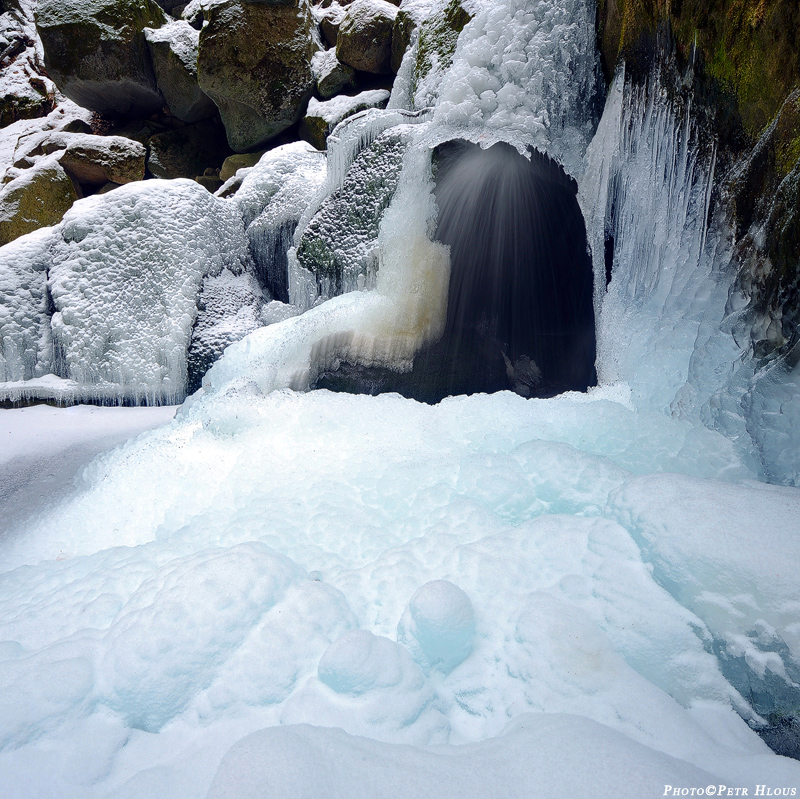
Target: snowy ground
x=43, y=448
x=489, y=597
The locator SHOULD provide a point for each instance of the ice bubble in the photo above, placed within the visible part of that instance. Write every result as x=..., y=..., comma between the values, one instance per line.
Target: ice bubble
x=438, y=626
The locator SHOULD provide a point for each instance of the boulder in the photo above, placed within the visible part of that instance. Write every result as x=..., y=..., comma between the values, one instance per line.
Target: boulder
x=233, y=163
x=87, y=158
x=329, y=20
x=405, y=23
x=331, y=75
x=188, y=151
x=365, y=36
x=39, y=197
x=96, y=53
x=438, y=37
x=259, y=90
x=173, y=49
x=322, y=118
x=340, y=242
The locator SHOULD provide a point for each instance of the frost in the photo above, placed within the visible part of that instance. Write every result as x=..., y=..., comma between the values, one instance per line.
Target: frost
x=125, y=271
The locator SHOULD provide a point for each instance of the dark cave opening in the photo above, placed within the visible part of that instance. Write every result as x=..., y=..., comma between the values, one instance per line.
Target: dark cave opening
x=520, y=311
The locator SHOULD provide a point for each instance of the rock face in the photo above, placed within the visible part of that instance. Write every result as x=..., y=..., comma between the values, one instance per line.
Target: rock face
x=330, y=75
x=340, y=242
x=173, y=49
x=748, y=48
x=766, y=196
x=365, y=36
x=259, y=90
x=40, y=196
x=95, y=51
x=322, y=118
x=187, y=152
x=90, y=159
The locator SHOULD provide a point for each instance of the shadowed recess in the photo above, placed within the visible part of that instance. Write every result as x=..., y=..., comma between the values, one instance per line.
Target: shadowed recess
x=519, y=311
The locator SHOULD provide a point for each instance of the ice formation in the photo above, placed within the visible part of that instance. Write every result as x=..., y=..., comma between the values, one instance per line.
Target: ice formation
x=592, y=590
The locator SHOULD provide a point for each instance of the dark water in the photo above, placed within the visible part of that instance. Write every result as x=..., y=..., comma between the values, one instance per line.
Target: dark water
x=520, y=313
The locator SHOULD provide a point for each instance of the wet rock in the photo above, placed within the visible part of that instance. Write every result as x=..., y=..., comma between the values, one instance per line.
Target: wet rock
x=96, y=53
x=259, y=90
x=323, y=117
x=39, y=197
x=365, y=36
x=173, y=49
x=331, y=75
x=188, y=151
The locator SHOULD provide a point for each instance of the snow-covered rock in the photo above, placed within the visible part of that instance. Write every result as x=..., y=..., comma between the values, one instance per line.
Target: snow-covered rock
x=125, y=271
x=173, y=49
x=322, y=117
x=330, y=74
x=25, y=346
x=271, y=199
x=86, y=158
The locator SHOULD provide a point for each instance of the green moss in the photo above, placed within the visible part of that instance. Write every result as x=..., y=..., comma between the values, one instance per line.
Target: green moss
x=746, y=46
x=438, y=37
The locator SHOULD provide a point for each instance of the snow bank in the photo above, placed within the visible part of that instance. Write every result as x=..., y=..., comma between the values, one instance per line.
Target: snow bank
x=544, y=755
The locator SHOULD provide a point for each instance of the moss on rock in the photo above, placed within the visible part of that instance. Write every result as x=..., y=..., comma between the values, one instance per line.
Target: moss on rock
x=39, y=197
x=96, y=53
x=255, y=64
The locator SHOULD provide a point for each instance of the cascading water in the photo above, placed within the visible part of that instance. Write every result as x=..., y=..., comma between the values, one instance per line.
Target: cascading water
x=519, y=308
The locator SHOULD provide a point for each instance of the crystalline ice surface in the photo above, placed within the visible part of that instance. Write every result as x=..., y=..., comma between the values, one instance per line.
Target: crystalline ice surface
x=275, y=558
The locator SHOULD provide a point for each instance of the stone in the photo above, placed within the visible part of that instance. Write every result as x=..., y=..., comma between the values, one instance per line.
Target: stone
x=329, y=20
x=340, y=241
x=210, y=182
x=233, y=163
x=438, y=36
x=322, y=118
x=331, y=75
x=91, y=159
x=173, y=49
x=187, y=152
x=365, y=36
x=405, y=23
x=260, y=90
x=95, y=51
x=25, y=93
x=39, y=197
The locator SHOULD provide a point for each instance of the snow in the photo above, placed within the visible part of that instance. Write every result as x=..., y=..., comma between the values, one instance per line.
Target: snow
x=585, y=595
x=419, y=575
x=336, y=109
x=536, y=757
x=42, y=449
x=123, y=272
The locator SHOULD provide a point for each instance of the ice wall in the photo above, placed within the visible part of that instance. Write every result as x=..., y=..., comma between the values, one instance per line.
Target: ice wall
x=667, y=321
